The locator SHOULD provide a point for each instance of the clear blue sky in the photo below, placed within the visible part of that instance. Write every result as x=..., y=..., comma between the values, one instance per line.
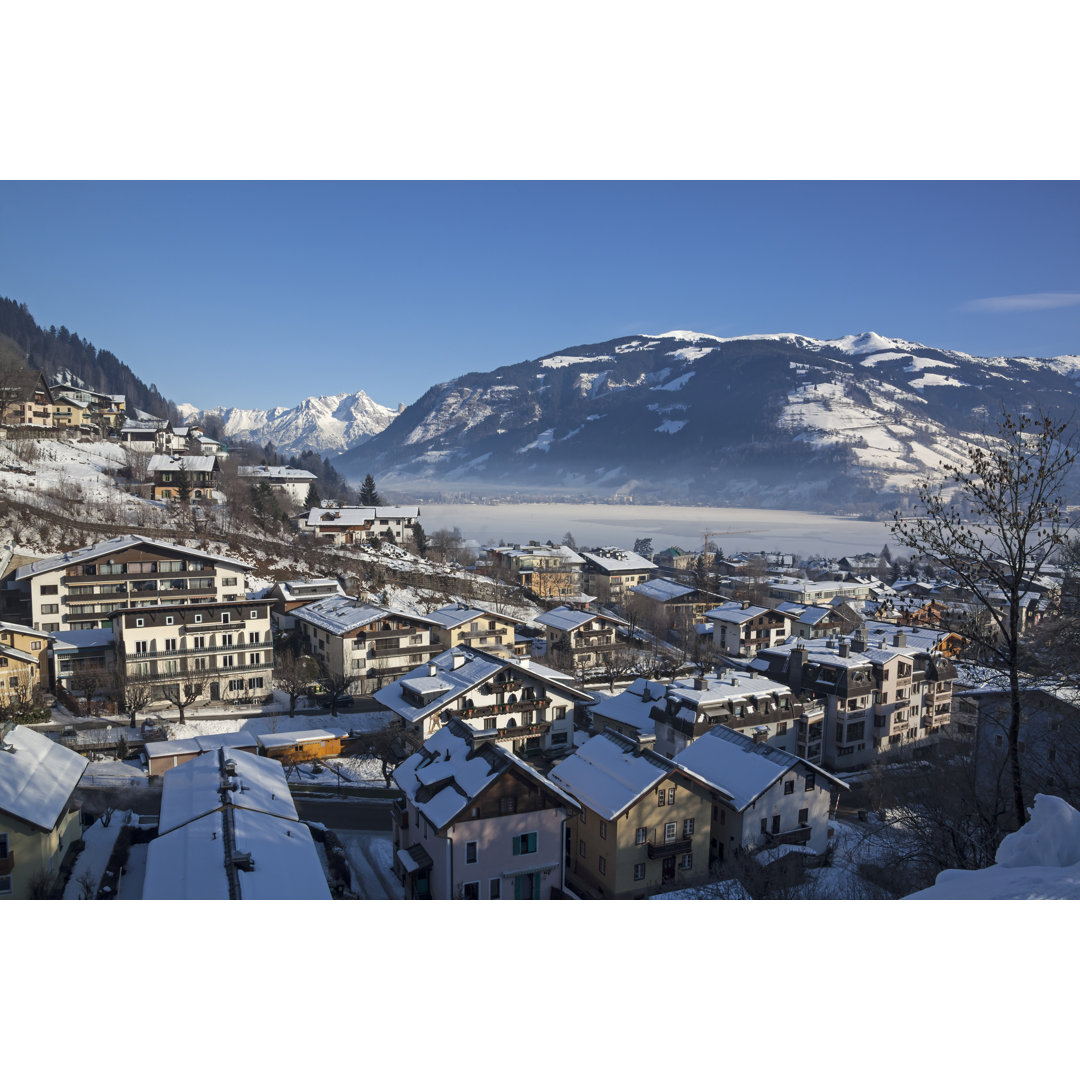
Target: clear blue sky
x=261, y=294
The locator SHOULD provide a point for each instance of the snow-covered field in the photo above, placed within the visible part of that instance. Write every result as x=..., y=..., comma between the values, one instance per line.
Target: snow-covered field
x=594, y=525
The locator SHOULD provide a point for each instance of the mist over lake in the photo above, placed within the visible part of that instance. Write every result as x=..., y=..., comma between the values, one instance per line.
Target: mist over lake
x=593, y=525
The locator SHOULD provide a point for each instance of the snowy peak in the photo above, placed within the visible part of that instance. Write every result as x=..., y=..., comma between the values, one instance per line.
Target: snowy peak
x=330, y=424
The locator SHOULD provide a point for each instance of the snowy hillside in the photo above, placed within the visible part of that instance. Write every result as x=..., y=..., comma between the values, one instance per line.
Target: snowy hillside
x=326, y=425
x=772, y=420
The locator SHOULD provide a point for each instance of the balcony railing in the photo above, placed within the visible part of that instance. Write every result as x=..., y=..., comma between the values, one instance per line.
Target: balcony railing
x=500, y=710
x=508, y=687
x=792, y=836
x=672, y=847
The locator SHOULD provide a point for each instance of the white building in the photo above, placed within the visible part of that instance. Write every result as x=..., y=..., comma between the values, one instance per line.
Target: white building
x=293, y=484
x=362, y=524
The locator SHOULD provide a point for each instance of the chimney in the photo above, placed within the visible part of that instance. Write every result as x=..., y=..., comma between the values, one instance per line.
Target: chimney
x=844, y=649
x=796, y=660
x=899, y=639
x=459, y=661
x=432, y=670
x=701, y=683
x=858, y=640
x=524, y=661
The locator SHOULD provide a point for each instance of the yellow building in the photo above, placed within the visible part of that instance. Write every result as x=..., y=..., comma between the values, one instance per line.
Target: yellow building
x=22, y=672
x=38, y=822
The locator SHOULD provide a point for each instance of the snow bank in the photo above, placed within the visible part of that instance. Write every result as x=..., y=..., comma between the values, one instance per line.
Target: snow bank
x=1040, y=861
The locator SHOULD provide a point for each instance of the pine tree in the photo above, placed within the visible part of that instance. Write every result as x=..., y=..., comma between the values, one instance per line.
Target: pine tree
x=368, y=495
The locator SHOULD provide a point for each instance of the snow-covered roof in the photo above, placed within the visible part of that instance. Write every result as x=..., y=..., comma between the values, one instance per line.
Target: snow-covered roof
x=454, y=615
x=201, y=744
x=275, y=472
x=73, y=640
x=568, y=618
x=739, y=767
x=17, y=654
x=20, y=628
x=633, y=705
x=187, y=462
x=291, y=738
x=347, y=516
x=610, y=773
x=343, y=614
x=193, y=790
x=662, y=589
x=188, y=863
x=473, y=668
x=447, y=773
x=37, y=777
x=115, y=545
x=735, y=612
x=617, y=561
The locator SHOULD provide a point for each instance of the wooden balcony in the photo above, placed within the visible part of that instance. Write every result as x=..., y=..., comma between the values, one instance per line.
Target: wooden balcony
x=674, y=847
x=501, y=710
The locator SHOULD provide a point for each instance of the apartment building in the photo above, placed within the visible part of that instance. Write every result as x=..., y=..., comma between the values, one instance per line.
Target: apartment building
x=878, y=696
x=363, y=646
x=578, y=638
x=608, y=573
x=80, y=589
x=741, y=629
x=460, y=624
x=222, y=651
x=551, y=571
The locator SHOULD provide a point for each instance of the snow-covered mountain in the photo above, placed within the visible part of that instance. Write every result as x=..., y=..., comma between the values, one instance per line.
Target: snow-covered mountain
x=779, y=420
x=330, y=424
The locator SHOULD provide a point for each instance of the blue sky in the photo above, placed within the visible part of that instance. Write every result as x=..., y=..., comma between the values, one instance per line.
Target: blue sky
x=261, y=294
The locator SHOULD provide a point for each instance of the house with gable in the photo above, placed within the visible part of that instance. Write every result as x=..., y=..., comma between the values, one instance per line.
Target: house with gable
x=643, y=824
x=630, y=711
x=764, y=796
x=578, y=638
x=361, y=524
x=287, y=596
x=550, y=571
x=665, y=603
x=475, y=822
x=38, y=819
x=23, y=666
x=171, y=471
x=460, y=624
x=514, y=701
x=293, y=484
x=741, y=628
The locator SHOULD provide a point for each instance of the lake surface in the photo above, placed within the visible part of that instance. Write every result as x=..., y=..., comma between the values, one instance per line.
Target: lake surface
x=732, y=528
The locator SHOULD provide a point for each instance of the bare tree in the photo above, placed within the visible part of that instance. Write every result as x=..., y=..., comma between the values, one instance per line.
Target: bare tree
x=1005, y=522
x=293, y=675
x=185, y=693
x=16, y=380
x=132, y=693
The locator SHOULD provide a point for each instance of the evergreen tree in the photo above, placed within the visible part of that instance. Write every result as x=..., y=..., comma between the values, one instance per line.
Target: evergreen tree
x=183, y=484
x=368, y=495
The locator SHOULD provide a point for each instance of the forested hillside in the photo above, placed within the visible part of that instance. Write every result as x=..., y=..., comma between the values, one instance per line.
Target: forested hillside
x=55, y=351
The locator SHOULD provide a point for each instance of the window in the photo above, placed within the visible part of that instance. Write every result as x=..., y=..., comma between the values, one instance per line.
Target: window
x=789, y=787
x=508, y=804
x=5, y=884
x=471, y=890
x=764, y=824
x=228, y=581
x=671, y=796
x=255, y=684
x=603, y=865
x=225, y=617
x=170, y=644
x=228, y=661
x=804, y=816
x=525, y=844
x=198, y=642
x=470, y=851
x=254, y=658
x=4, y=852
x=35, y=645
x=581, y=849
x=687, y=862
x=781, y=728
x=560, y=712
x=494, y=888
x=639, y=871
x=688, y=827
x=50, y=590
x=142, y=646
x=661, y=797
x=809, y=784
x=168, y=620
x=583, y=814
x=670, y=831
x=139, y=622
x=603, y=830
x=198, y=618
x=640, y=835
x=776, y=823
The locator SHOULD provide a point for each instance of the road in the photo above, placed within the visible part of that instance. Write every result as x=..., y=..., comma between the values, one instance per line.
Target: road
x=355, y=815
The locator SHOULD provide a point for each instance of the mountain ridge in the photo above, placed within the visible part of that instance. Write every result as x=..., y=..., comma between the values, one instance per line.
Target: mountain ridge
x=774, y=420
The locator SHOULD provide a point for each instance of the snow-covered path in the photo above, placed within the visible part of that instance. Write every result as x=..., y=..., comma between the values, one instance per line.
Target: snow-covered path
x=371, y=858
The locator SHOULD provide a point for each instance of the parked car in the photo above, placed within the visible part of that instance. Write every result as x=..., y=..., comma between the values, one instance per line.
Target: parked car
x=343, y=702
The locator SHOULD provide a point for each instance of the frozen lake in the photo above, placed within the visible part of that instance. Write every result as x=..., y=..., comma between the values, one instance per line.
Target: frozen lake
x=732, y=528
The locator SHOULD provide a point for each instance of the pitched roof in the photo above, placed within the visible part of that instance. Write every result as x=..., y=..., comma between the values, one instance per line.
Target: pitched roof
x=343, y=614
x=274, y=472
x=346, y=516
x=454, y=615
x=568, y=618
x=187, y=462
x=663, y=589
x=448, y=772
x=617, y=560
x=112, y=547
x=741, y=768
x=37, y=777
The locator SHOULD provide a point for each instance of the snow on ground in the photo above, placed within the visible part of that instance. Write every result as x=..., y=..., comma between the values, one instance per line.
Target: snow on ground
x=934, y=379
x=278, y=724
x=114, y=774
x=100, y=839
x=1040, y=861
x=371, y=858
x=670, y=427
x=339, y=771
x=131, y=883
